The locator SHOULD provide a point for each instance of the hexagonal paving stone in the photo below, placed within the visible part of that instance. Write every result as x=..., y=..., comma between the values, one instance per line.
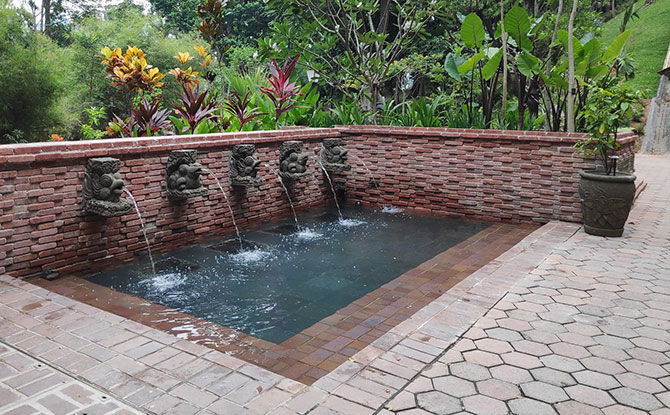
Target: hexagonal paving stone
x=577, y=408
x=493, y=346
x=526, y=406
x=438, y=403
x=562, y=363
x=596, y=379
x=404, y=400
x=553, y=376
x=498, y=389
x=503, y=334
x=636, y=399
x=589, y=396
x=531, y=348
x=639, y=382
x=511, y=374
x=482, y=358
x=623, y=410
x=645, y=368
x=598, y=364
x=483, y=405
x=521, y=360
x=469, y=371
x=454, y=386
x=544, y=392
x=570, y=350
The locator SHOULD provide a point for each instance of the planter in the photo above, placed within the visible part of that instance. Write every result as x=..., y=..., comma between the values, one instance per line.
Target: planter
x=606, y=201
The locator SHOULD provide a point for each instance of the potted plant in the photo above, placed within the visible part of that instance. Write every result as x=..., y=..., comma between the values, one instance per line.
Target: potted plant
x=606, y=194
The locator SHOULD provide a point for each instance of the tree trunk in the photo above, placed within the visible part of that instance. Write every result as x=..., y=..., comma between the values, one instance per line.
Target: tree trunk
x=571, y=70
x=545, y=93
x=504, y=46
x=46, y=16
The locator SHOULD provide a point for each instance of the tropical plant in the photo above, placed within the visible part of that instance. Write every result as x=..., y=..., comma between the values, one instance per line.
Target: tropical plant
x=146, y=120
x=351, y=44
x=197, y=114
x=130, y=70
x=349, y=113
x=241, y=109
x=281, y=91
x=606, y=111
x=95, y=116
x=420, y=113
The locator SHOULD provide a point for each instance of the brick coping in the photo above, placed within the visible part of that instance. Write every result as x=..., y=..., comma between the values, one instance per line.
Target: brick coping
x=322, y=347
x=74, y=150
x=151, y=369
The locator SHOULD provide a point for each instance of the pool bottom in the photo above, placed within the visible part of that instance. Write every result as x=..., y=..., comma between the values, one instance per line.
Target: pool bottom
x=320, y=348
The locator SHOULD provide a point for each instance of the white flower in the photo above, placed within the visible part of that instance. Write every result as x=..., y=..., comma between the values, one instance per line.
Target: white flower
x=255, y=55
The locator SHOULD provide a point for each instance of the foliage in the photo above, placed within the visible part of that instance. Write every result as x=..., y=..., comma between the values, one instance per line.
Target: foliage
x=241, y=108
x=350, y=44
x=648, y=41
x=606, y=111
x=95, y=116
x=146, y=120
x=281, y=91
x=348, y=112
x=420, y=113
x=35, y=76
x=197, y=115
x=130, y=70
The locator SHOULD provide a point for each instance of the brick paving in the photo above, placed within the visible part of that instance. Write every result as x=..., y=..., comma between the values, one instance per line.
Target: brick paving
x=562, y=323
x=322, y=347
x=29, y=386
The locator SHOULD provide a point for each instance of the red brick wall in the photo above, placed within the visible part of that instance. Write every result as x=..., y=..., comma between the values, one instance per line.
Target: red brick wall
x=484, y=174
x=41, y=223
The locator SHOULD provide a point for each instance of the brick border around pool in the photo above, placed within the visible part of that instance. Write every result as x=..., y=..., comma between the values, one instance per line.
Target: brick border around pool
x=97, y=347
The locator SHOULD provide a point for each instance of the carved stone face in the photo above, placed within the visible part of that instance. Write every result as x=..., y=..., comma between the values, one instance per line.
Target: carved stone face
x=333, y=155
x=111, y=187
x=103, y=188
x=291, y=160
x=183, y=175
x=243, y=166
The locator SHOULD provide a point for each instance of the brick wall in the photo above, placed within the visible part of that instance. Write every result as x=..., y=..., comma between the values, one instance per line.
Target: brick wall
x=513, y=176
x=485, y=174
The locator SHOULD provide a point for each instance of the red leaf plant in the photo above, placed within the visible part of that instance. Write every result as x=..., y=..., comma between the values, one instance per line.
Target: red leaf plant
x=282, y=92
x=239, y=107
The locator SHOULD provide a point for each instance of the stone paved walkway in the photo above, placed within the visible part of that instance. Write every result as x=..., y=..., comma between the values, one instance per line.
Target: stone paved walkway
x=563, y=323
x=29, y=386
x=586, y=332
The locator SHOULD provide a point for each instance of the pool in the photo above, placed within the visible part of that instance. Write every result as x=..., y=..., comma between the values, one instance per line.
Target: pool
x=284, y=279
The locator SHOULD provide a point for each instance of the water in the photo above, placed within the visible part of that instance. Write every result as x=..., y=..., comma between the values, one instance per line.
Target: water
x=337, y=204
x=288, y=196
x=144, y=230
x=372, y=177
x=296, y=279
x=230, y=208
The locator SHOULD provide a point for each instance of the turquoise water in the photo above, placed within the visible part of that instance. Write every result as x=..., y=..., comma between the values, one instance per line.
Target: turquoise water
x=284, y=280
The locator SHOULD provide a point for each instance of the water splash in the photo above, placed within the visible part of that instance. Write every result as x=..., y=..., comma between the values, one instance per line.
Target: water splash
x=164, y=282
x=281, y=182
x=350, y=223
x=339, y=211
x=230, y=208
x=372, y=177
x=144, y=230
x=250, y=256
x=309, y=234
x=391, y=210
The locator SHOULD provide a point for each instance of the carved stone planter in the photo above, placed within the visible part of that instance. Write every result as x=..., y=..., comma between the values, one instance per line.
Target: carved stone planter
x=334, y=155
x=182, y=175
x=606, y=201
x=243, y=166
x=292, y=162
x=103, y=188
